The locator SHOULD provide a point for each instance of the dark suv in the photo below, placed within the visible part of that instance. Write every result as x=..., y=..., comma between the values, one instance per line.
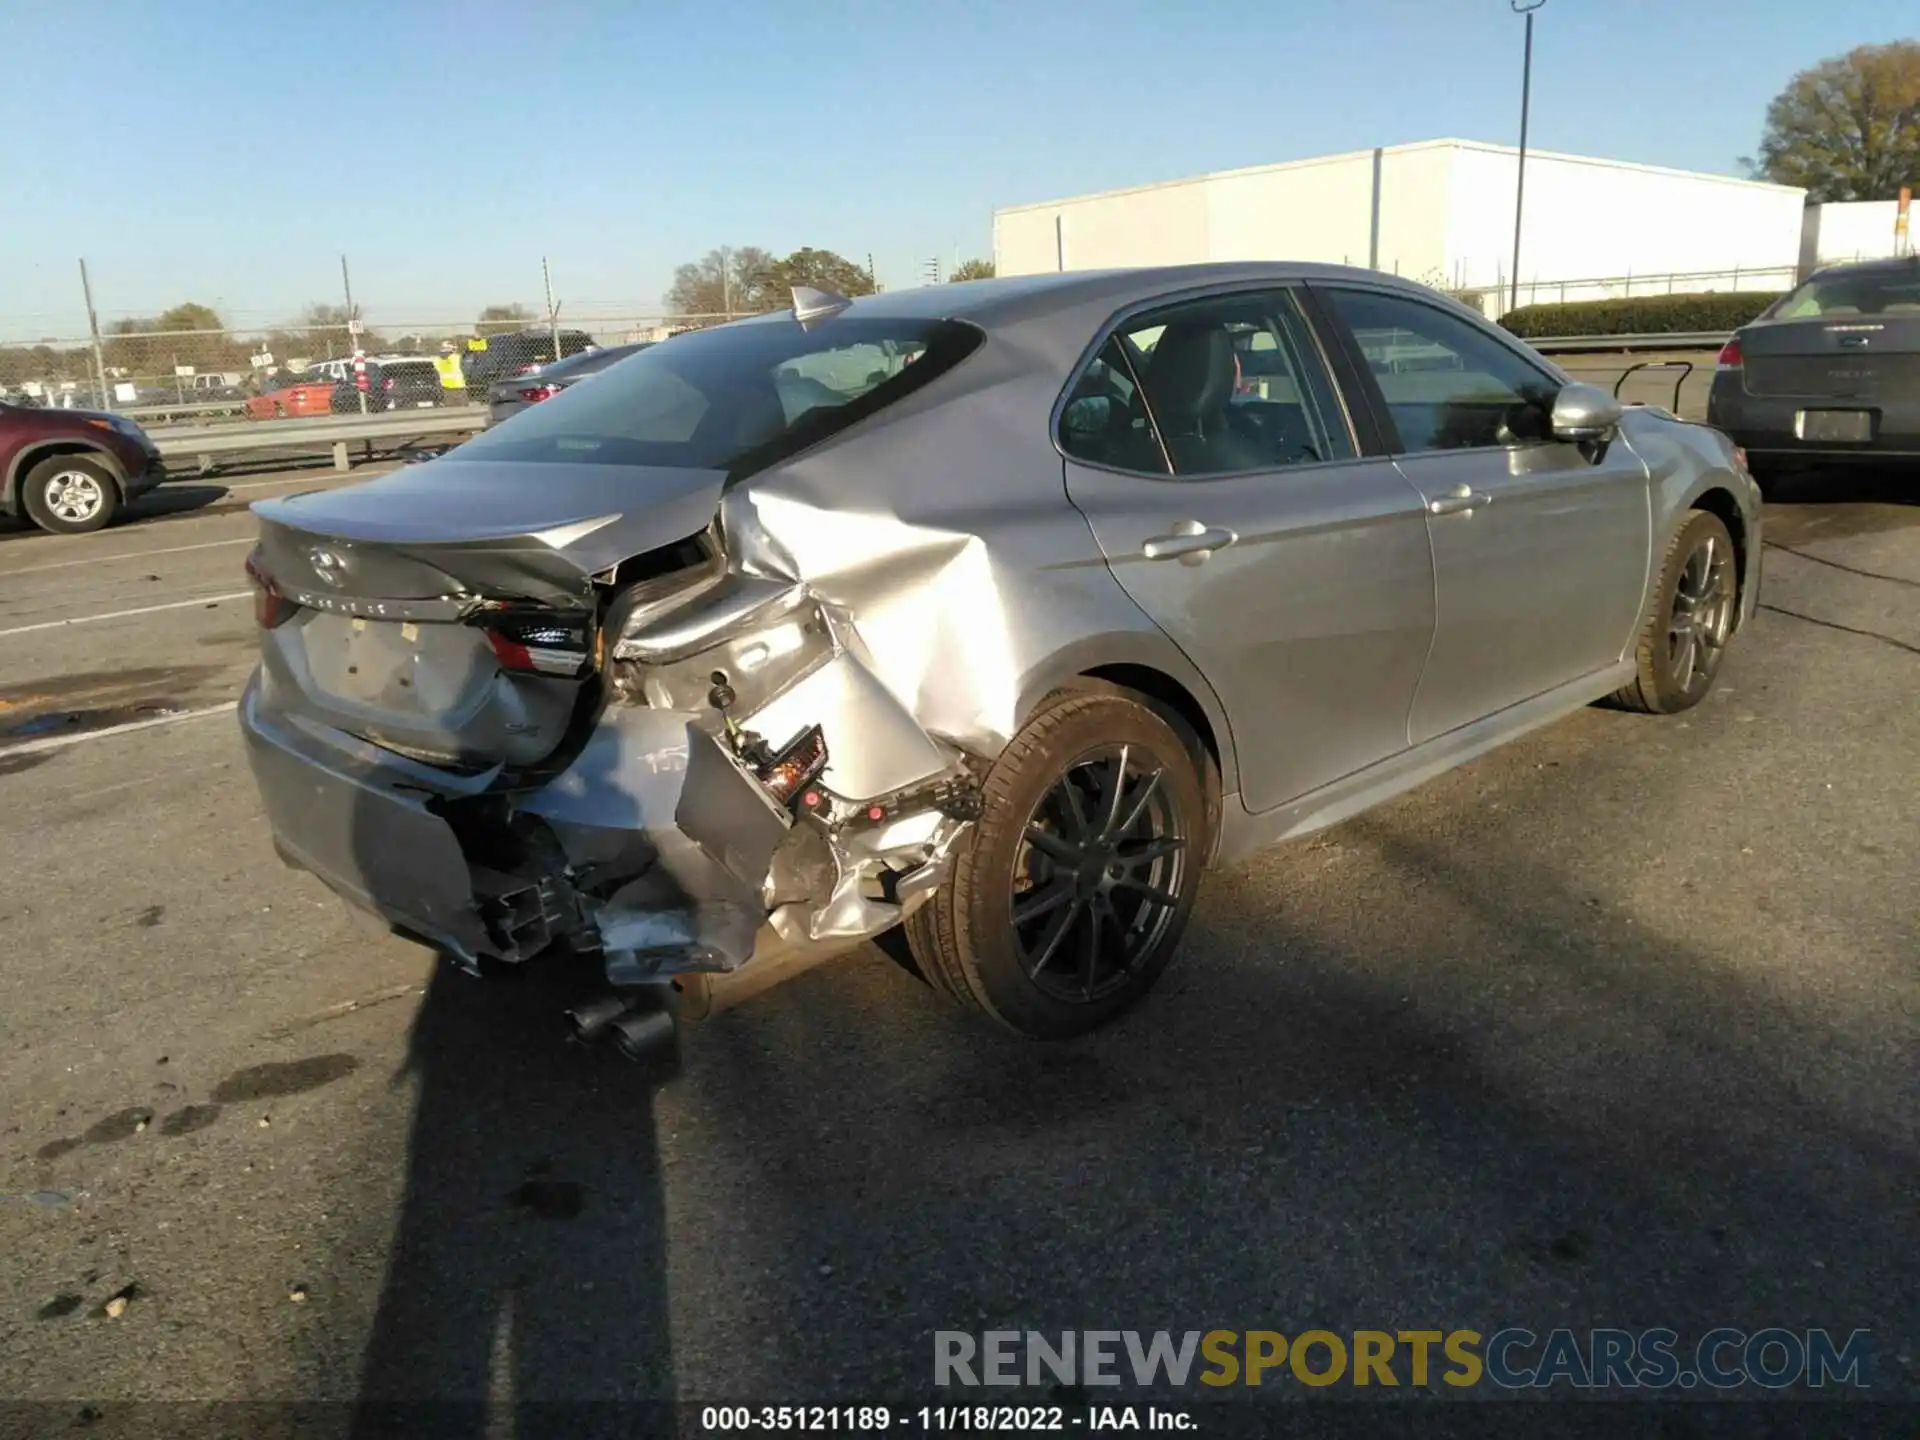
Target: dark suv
x=517, y=353
x=71, y=470
x=391, y=385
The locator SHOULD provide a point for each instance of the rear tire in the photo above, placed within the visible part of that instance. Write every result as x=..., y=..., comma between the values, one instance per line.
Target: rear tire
x=1069, y=898
x=1684, y=637
x=71, y=495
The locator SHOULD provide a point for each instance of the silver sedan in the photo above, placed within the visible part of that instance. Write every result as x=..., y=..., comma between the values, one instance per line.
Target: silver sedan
x=999, y=611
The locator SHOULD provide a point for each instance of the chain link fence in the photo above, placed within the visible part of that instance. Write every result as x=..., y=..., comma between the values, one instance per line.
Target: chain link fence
x=283, y=371
x=209, y=363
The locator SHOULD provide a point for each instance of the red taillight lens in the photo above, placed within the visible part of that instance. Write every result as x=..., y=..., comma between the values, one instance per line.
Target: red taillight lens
x=1730, y=355
x=270, y=607
x=534, y=394
x=387, y=384
x=541, y=647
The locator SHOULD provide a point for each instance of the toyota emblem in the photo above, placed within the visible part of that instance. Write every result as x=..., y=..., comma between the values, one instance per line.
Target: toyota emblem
x=328, y=566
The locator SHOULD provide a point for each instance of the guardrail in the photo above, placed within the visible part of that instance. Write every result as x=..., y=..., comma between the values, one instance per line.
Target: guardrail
x=1569, y=344
x=205, y=443
x=162, y=413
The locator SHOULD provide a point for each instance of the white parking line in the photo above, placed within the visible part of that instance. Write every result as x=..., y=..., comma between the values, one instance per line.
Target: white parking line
x=208, y=600
x=60, y=742
x=125, y=555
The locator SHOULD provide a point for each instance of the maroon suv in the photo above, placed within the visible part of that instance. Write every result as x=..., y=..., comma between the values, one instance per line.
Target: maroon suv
x=71, y=470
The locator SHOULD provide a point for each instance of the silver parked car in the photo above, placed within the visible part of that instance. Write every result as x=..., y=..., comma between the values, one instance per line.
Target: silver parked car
x=1002, y=610
x=509, y=396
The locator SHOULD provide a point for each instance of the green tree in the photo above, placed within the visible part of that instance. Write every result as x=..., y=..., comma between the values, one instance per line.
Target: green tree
x=503, y=319
x=749, y=281
x=149, y=347
x=820, y=269
x=1849, y=128
x=191, y=316
x=972, y=270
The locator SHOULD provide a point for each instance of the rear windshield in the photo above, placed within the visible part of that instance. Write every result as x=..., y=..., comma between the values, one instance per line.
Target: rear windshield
x=589, y=360
x=1881, y=293
x=734, y=398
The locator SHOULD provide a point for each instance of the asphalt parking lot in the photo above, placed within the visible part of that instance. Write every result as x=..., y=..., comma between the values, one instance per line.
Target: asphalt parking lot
x=1618, y=1026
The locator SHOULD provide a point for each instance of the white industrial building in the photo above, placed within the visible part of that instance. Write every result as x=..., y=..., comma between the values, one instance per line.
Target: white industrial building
x=1854, y=230
x=1442, y=212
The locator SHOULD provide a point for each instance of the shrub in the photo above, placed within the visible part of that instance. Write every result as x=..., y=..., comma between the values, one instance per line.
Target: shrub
x=1720, y=310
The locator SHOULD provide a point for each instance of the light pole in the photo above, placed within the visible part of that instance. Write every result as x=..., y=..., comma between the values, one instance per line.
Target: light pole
x=1526, y=8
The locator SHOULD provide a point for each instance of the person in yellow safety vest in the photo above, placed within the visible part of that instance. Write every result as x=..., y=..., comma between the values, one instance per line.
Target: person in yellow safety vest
x=447, y=363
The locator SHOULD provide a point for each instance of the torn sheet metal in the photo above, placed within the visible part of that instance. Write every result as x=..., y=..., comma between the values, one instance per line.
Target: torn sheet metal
x=928, y=603
x=679, y=830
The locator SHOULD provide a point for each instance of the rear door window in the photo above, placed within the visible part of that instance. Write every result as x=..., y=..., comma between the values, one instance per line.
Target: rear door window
x=1229, y=384
x=1105, y=421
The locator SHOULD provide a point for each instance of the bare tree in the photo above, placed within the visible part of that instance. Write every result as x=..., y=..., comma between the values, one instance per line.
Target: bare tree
x=725, y=281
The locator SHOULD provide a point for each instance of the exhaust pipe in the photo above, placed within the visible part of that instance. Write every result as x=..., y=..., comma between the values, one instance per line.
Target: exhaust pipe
x=643, y=1031
x=591, y=1020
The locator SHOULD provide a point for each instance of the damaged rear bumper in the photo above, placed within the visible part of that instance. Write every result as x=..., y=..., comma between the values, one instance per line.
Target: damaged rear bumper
x=656, y=846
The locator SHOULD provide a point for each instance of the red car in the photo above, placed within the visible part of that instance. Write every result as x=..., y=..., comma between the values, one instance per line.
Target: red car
x=292, y=395
x=70, y=471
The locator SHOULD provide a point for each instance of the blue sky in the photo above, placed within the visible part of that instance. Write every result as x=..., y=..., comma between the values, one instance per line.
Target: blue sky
x=228, y=153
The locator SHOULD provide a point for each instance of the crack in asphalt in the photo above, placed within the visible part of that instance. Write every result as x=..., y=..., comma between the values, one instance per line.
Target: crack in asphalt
x=1836, y=625
x=1835, y=564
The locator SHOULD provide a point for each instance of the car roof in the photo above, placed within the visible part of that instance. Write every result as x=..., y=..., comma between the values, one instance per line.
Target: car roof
x=1019, y=298
x=1897, y=265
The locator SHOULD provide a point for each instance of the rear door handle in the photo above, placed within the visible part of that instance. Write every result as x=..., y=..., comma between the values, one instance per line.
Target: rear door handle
x=1458, y=499
x=1190, y=543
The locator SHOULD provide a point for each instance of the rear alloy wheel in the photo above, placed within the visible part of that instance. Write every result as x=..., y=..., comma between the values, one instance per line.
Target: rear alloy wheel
x=1685, y=636
x=71, y=495
x=1071, y=898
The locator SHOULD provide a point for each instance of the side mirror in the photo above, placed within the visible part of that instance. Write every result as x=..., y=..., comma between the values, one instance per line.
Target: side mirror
x=1585, y=412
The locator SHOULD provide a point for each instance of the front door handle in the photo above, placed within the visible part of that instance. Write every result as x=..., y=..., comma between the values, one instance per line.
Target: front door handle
x=1460, y=498
x=1190, y=543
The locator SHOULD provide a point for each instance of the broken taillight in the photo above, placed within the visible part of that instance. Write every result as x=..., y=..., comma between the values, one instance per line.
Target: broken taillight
x=541, y=646
x=270, y=607
x=534, y=394
x=799, y=761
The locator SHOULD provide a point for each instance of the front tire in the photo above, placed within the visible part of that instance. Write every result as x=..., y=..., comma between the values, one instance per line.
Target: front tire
x=71, y=495
x=1071, y=896
x=1685, y=635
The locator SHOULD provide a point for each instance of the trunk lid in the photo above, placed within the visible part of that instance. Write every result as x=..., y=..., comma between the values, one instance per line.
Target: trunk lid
x=1852, y=358
x=450, y=611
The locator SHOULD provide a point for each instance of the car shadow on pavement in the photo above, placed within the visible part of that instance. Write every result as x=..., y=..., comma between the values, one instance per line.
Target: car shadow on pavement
x=528, y=1263
x=1472, y=1098
x=178, y=498
x=1846, y=485
x=170, y=502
